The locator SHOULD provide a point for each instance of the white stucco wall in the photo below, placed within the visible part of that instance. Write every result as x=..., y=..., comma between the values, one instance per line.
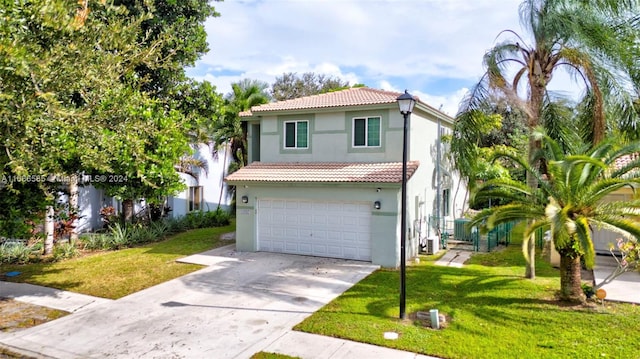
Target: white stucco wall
x=214, y=190
x=602, y=238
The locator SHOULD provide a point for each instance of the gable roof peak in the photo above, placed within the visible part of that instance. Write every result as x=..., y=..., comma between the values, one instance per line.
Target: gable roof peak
x=353, y=96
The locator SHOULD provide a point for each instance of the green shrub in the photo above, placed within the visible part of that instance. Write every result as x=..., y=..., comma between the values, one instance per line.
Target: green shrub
x=217, y=218
x=65, y=251
x=14, y=252
x=96, y=241
x=159, y=229
x=174, y=225
x=123, y=236
x=120, y=236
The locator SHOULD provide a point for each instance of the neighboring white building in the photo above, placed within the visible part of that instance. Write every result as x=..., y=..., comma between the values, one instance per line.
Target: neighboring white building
x=203, y=193
x=325, y=172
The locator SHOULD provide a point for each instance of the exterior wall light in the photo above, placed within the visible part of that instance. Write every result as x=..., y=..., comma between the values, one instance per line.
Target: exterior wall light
x=245, y=199
x=376, y=204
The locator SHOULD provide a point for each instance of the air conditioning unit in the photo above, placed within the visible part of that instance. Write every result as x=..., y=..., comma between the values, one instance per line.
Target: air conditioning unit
x=433, y=245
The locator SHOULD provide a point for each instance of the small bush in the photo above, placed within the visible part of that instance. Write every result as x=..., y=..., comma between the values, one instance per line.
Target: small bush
x=174, y=225
x=99, y=241
x=159, y=229
x=123, y=236
x=120, y=236
x=14, y=252
x=65, y=251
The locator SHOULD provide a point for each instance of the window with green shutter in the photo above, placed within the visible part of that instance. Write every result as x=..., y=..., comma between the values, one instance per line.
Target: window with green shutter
x=373, y=131
x=366, y=132
x=296, y=134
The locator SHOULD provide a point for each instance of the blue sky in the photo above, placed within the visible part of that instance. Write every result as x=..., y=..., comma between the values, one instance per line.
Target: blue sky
x=433, y=48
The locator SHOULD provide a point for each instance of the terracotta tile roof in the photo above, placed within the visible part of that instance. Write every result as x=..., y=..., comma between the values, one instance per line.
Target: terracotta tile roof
x=625, y=160
x=390, y=172
x=356, y=96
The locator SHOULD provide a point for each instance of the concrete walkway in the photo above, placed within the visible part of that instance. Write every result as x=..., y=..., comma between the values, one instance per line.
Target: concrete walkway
x=625, y=288
x=49, y=297
x=242, y=303
x=454, y=258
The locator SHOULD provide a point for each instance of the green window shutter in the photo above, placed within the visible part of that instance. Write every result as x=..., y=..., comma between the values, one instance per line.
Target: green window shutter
x=373, y=131
x=359, y=131
x=290, y=134
x=303, y=134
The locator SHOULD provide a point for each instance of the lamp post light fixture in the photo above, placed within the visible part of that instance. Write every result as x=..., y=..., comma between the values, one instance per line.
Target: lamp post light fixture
x=405, y=103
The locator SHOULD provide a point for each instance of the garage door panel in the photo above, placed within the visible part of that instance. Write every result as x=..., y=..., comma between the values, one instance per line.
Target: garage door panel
x=277, y=246
x=335, y=251
x=320, y=249
x=305, y=248
x=320, y=228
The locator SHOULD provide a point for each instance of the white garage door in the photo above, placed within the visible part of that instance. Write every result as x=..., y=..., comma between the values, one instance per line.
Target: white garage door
x=317, y=228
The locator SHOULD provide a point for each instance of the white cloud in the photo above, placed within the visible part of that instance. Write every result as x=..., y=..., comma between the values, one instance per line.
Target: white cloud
x=407, y=43
x=448, y=103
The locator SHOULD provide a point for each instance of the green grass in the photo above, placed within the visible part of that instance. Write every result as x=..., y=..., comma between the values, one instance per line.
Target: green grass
x=267, y=355
x=492, y=312
x=115, y=274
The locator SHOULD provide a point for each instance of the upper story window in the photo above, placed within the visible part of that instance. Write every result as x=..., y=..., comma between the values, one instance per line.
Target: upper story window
x=296, y=134
x=366, y=132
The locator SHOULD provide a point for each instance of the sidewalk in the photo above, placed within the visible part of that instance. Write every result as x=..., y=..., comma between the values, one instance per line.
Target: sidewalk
x=305, y=345
x=49, y=297
x=243, y=303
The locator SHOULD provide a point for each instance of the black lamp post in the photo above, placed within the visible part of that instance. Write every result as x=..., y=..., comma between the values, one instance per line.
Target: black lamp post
x=405, y=103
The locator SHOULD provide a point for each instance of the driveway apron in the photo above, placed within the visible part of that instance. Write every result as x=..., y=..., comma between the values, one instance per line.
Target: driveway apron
x=231, y=309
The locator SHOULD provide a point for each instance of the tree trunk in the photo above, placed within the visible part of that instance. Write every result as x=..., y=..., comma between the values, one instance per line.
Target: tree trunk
x=532, y=183
x=571, y=277
x=530, y=271
x=127, y=210
x=49, y=226
x=73, y=207
x=224, y=170
x=537, y=83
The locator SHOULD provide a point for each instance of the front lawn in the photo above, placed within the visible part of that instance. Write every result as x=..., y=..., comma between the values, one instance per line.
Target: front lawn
x=492, y=312
x=115, y=274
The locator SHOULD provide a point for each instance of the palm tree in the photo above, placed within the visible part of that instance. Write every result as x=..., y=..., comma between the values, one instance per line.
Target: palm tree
x=230, y=134
x=588, y=40
x=569, y=202
x=245, y=94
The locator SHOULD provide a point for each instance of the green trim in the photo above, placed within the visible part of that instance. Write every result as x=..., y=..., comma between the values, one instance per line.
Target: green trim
x=245, y=206
x=330, y=132
x=384, y=214
x=310, y=132
x=384, y=127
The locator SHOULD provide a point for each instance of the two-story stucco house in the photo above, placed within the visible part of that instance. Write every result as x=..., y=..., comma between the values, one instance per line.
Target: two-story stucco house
x=325, y=173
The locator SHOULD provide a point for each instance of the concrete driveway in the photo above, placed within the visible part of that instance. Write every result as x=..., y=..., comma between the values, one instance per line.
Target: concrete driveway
x=235, y=307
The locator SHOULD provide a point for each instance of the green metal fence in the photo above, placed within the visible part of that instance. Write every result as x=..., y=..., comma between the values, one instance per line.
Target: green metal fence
x=500, y=234
x=460, y=230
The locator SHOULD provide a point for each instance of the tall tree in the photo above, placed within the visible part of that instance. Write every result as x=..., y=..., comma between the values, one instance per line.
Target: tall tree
x=569, y=202
x=230, y=133
x=72, y=103
x=290, y=85
x=588, y=39
x=177, y=28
